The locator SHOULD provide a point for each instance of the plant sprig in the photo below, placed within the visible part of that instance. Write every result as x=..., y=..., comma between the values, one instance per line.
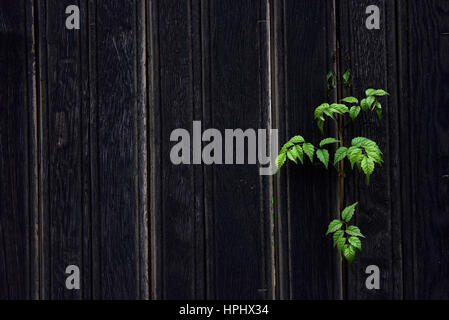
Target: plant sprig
x=362, y=153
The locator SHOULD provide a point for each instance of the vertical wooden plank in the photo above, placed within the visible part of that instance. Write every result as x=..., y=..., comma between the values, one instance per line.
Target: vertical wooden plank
x=61, y=116
x=237, y=198
x=177, y=201
x=370, y=55
x=120, y=130
x=307, y=265
x=424, y=87
x=17, y=153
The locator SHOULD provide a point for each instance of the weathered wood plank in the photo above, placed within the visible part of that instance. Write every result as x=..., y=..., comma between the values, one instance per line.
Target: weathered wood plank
x=61, y=116
x=17, y=153
x=237, y=199
x=370, y=55
x=121, y=148
x=177, y=214
x=424, y=87
x=308, y=267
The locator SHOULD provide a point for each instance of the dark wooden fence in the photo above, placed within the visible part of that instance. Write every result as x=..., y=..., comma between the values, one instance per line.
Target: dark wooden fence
x=85, y=173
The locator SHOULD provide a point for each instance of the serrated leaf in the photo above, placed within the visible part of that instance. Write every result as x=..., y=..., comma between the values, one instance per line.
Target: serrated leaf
x=354, y=112
x=367, y=166
x=341, y=243
x=354, y=231
x=376, y=157
x=297, y=139
x=340, y=154
x=355, y=242
x=280, y=160
x=348, y=212
x=370, y=92
x=349, y=253
x=334, y=226
x=286, y=146
x=323, y=156
x=291, y=154
x=309, y=150
x=358, y=141
x=337, y=235
x=350, y=100
x=380, y=93
x=299, y=153
x=353, y=155
x=328, y=141
x=339, y=108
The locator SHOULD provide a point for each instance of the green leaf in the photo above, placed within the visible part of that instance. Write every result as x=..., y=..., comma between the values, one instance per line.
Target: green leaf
x=339, y=108
x=354, y=153
x=378, y=108
x=337, y=235
x=341, y=243
x=297, y=139
x=309, y=150
x=291, y=154
x=348, y=212
x=328, y=141
x=340, y=154
x=323, y=156
x=286, y=146
x=364, y=105
x=374, y=155
x=320, y=109
x=280, y=160
x=358, y=141
x=370, y=92
x=354, y=112
x=370, y=100
x=349, y=253
x=367, y=167
x=329, y=113
x=334, y=226
x=299, y=152
x=380, y=93
x=354, y=231
x=350, y=100
x=355, y=242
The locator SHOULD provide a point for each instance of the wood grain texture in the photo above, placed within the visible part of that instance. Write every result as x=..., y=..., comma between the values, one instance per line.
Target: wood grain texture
x=239, y=244
x=120, y=149
x=308, y=267
x=424, y=88
x=370, y=55
x=85, y=173
x=17, y=154
x=177, y=212
x=63, y=224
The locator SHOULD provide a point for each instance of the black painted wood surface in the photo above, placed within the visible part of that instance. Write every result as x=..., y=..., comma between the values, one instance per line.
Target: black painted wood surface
x=86, y=178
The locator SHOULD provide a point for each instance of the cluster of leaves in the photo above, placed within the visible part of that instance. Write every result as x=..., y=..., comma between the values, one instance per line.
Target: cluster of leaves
x=369, y=103
x=363, y=152
x=296, y=147
x=346, y=237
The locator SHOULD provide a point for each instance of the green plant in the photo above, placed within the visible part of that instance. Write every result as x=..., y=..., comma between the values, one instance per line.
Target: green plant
x=362, y=153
